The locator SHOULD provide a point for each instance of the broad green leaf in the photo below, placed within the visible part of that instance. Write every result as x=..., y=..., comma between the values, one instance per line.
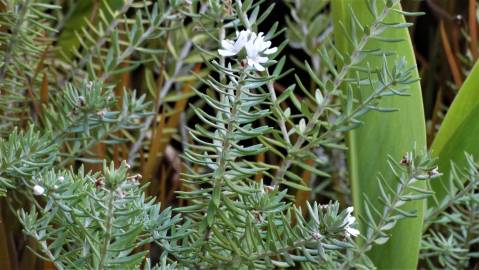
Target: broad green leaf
x=383, y=134
x=458, y=133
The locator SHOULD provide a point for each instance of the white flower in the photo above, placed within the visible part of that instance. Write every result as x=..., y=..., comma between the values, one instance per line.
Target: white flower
x=256, y=48
x=350, y=220
x=89, y=85
x=269, y=188
x=38, y=190
x=317, y=236
x=231, y=48
x=434, y=173
x=61, y=178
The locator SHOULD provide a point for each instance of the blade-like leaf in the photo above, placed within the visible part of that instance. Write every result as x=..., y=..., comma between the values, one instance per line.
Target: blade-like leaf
x=458, y=132
x=383, y=134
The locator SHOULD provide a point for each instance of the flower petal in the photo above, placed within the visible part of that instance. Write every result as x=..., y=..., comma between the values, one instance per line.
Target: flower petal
x=271, y=50
x=227, y=44
x=259, y=67
x=352, y=231
x=351, y=220
x=226, y=53
x=262, y=59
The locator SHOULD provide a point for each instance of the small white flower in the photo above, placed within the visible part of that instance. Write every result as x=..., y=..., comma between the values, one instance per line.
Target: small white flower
x=61, y=179
x=231, y=48
x=38, y=190
x=434, y=173
x=317, y=236
x=256, y=48
x=269, y=188
x=350, y=220
x=430, y=174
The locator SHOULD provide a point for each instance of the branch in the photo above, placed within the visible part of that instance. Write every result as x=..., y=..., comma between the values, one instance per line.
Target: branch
x=163, y=92
x=328, y=98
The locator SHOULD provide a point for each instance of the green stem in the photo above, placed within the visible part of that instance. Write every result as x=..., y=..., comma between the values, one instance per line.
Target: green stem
x=223, y=158
x=44, y=246
x=108, y=228
x=388, y=211
x=132, y=47
x=267, y=254
x=104, y=39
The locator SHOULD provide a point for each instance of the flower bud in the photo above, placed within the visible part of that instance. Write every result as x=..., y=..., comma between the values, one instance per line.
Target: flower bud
x=38, y=190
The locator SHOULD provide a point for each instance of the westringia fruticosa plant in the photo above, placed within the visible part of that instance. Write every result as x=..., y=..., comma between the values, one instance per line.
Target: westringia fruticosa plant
x=243, y=142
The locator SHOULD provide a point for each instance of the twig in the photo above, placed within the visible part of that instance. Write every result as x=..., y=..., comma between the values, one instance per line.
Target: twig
x=451, y=59
x=126, y=6
x=163, y=92
x=131, y=48
x=282, y=122
x=473, y=28
x=108, y=230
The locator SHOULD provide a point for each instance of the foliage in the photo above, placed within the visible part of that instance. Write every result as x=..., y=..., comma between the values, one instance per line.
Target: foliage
x=24, y=154
x=378, y=28
x=410, y=170
x=97, y=221
x=454, y=136
x=451, y=225
x=90, y=114
x=23, y=44
x=242, y=143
